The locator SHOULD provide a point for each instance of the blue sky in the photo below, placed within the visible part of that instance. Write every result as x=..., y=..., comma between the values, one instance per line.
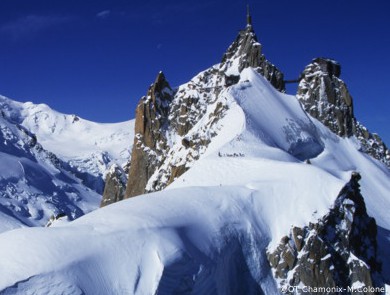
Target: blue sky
x=96, y=58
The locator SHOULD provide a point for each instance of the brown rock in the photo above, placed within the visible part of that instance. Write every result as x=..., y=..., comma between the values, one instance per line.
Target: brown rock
x=115, y=186
x=150, y=120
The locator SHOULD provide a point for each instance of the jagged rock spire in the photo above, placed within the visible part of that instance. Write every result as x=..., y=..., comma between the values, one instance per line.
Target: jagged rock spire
x=246, y=51
x=150, y=121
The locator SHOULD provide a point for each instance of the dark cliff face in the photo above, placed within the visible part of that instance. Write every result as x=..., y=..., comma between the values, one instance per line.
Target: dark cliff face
x=340, y=250
x=326, y=97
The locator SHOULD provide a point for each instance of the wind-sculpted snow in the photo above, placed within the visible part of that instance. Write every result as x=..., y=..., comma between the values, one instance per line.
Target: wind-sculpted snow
x=276, y=118
x=202, y=240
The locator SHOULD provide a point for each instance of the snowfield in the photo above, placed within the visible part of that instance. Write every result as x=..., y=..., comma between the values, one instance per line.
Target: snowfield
x=72, y=138
x=208, y=232
x=54, y=163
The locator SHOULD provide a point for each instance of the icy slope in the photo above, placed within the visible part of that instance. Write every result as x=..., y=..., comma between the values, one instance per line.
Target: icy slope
x=34, y=183
x=87, y=146
x=54, y=163
x=209, y=231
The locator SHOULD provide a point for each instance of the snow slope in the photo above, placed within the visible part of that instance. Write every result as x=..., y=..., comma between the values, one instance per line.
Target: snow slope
x=208, y=232
x=90, y=147
x=53, y=163
x=156, y=241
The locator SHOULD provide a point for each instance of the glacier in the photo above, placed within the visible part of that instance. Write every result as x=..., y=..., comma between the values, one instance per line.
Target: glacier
x=54, y=163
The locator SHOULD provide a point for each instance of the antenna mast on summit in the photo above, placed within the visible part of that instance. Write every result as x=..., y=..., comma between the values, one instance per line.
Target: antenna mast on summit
x=248, y=16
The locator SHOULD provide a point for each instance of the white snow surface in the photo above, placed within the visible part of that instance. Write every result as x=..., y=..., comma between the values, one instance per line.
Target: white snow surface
x=89, y=146
x=65, y=175
x=209, y=230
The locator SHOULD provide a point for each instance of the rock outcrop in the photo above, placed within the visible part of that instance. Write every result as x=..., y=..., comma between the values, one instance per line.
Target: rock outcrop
x=326, y=97
x=246, y=52
x=115, y=185
x=339, y=251
x=151, y=122
x=166, y=142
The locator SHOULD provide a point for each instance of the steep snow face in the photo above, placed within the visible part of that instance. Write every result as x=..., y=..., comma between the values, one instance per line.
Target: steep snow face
x=208, y=232
x=277, y=119
x=89, y=148
x=264, y=124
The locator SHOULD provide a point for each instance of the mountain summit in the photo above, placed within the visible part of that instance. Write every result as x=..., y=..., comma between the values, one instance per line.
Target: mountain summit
x=246, y=51
x=175, y=127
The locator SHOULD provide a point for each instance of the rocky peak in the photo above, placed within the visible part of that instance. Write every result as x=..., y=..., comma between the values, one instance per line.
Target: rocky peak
x=328, y=66
x=326, y=97
x=166, y=142
x=152, y=110
x=246, y=51
x=246, y=47
x=115, y=185
x=151, y=123
x=340, y=250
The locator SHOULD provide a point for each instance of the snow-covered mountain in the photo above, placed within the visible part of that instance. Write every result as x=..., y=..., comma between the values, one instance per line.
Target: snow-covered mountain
x=248, y=194
x=87, y=145
x=54, y=163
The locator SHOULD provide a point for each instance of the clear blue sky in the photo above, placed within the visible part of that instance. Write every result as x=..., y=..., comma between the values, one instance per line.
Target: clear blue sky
x=96, y=58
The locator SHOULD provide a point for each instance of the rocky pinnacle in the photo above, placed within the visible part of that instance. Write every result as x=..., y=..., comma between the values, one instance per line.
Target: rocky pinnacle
x=326, y=97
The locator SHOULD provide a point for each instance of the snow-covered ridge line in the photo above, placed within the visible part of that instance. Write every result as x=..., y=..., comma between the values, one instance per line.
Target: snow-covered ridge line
x=52, y=128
